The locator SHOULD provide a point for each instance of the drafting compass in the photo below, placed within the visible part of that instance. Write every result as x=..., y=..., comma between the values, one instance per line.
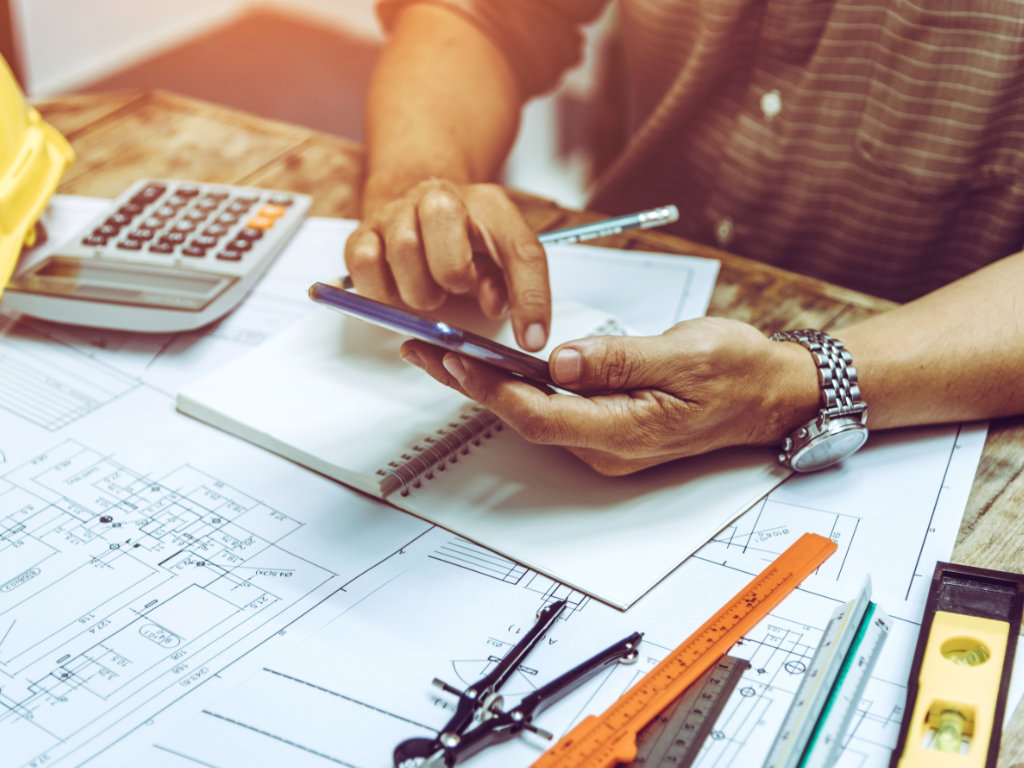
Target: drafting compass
x=479, y=720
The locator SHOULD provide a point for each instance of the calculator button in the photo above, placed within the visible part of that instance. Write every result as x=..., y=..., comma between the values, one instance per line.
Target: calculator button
x=239, y=207
x=94, y=240
x=177, y=202
x=184, y=226
x=260, y=222
x=195, y=215
x=273, y=211
x=207, y=203
x=165, y=212
x=204, y=242
x=130, y=245
x=218, y=194
x=175, y=238
x=230, y=255
x=142, y=200
x=249, y=233
x=153, y=223
x=227, y=218
x=141, y=234
x=217, y=231
x=118, y=220
x=161, y=248
x=193, y=252
x=247, y=198
x=149, y=193
x=107, y=230
x=238, y=244
x=130, y=209
x=187, y=191
x=279, y=199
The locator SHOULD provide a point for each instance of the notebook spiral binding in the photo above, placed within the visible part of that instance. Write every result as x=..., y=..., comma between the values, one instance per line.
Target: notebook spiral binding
x=437, y=451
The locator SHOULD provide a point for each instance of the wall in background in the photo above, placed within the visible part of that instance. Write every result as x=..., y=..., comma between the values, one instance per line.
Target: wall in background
x=354, y=16
x=67, y=43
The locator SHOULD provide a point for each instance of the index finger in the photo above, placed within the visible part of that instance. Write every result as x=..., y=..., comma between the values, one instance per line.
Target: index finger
x=515, y=247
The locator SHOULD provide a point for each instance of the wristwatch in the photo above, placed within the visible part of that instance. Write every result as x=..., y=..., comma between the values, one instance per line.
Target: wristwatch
x=840, y=427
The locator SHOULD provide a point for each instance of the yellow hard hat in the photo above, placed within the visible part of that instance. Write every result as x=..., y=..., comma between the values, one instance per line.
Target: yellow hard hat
x=33, y=155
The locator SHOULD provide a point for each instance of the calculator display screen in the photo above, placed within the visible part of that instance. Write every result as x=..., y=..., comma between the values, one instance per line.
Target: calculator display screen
x=123, y=283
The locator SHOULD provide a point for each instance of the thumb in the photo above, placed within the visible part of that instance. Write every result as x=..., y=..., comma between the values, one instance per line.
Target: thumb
x=611, y=363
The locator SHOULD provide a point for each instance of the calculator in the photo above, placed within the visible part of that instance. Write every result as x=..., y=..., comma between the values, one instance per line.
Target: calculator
x=164, y=256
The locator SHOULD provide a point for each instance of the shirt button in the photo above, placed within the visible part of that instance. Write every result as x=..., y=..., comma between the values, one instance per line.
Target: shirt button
x=724, y=231
x=771, y=104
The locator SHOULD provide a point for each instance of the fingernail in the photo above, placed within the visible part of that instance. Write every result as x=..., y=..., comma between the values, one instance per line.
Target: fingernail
x=534, y=336
x=454, y=366
x=413, y=359
x=568, y=366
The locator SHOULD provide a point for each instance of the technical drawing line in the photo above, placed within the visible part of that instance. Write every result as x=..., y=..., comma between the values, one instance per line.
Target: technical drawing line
x=753, y=526
x=13, y=622
x=349, y=699
x=168, y=343
x=183, y=756
x=472, y=557
x=282, y=739
x=383, y=560
x=935, y=506
x=371, y=593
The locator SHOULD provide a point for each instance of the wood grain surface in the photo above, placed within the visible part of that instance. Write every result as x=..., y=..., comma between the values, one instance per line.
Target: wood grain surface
x=120, y=137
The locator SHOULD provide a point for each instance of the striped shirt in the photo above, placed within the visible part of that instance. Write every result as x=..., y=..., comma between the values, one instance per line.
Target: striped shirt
x=877, y=144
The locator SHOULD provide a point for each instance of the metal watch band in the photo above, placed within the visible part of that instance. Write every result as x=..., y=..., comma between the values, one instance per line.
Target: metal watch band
x=836, y=374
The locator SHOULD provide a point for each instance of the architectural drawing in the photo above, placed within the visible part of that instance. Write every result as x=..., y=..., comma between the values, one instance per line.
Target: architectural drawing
x=115, y=586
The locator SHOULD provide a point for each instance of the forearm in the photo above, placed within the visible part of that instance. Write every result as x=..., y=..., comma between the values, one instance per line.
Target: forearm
x=443, y=102
x=956, y=354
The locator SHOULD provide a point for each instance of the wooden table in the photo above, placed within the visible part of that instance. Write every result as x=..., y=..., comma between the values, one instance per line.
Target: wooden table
x=120, y=137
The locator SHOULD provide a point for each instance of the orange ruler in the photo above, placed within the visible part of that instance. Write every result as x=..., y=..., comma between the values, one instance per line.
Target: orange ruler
x=602, y=741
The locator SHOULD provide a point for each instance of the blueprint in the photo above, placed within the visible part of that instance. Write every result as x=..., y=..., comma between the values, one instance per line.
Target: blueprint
x=170, y=596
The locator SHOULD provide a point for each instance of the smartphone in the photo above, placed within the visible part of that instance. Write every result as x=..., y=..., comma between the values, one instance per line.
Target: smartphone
x=433, y=331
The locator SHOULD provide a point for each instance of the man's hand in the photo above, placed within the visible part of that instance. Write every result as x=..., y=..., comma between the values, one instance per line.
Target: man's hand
x=702, y=385
x=441, y=238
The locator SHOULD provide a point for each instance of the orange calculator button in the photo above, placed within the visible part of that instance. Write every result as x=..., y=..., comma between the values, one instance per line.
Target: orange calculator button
x=260, y=222
x=272, y=211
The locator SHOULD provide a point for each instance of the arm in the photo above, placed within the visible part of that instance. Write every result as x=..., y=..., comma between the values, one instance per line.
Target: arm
x=442, y=112
x=956, y=354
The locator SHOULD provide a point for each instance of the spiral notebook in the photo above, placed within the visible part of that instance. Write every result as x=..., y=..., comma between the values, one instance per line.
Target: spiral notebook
x=331, y=393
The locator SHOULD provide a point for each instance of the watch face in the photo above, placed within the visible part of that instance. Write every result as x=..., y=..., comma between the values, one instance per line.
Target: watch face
x=830, y=448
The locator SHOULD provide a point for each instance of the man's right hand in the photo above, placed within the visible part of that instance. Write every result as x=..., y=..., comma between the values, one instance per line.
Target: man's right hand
x=439, y=238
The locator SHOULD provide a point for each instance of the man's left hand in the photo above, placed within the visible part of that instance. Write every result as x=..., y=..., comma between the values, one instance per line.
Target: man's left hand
x=703, y=384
